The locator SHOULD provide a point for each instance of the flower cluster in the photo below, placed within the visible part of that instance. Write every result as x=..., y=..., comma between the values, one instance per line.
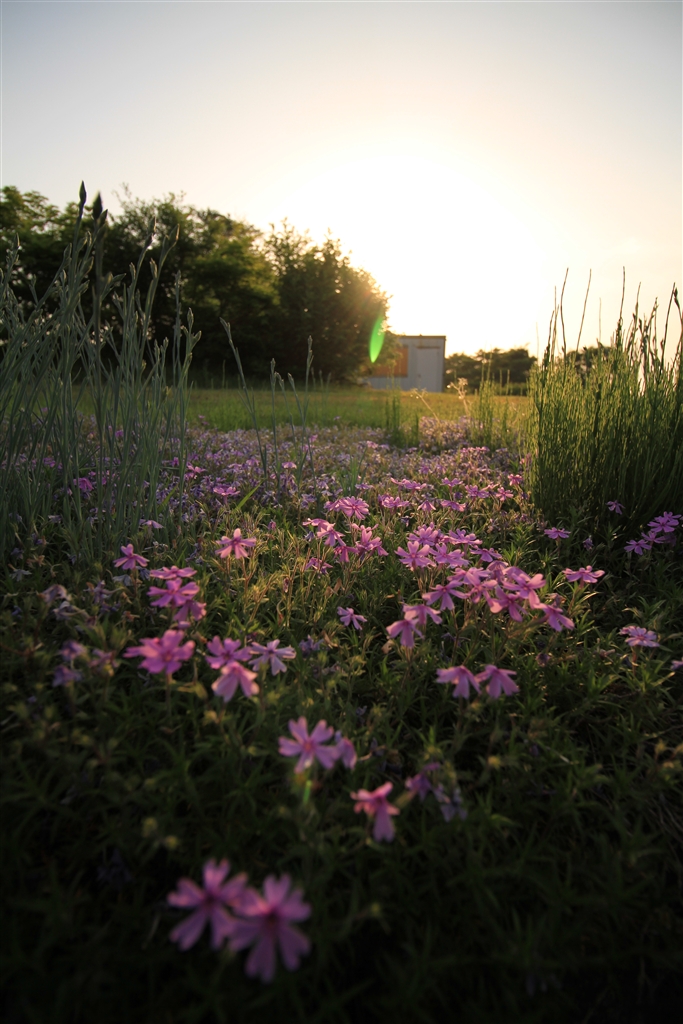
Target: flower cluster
x=660, y=531
x=244, y=917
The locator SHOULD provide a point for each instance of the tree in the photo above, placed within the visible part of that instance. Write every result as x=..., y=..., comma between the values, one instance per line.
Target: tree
x=322, y=296
x=506, y=366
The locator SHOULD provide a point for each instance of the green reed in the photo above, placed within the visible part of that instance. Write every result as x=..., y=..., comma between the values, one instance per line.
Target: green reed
x=56, y=358
x=613, y=432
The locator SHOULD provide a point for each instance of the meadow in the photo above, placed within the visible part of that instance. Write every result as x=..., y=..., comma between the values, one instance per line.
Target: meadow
x=312, y=719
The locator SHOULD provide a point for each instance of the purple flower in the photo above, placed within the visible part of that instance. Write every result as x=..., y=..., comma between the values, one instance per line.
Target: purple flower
x=163, y=654
x=556, y=533
x=64, y=675
x=406, y=629
x=232, y=675
x=309, y=748
x=222, y=652
x=499, y=681
x=130, y=560
x=210, y=903
x=417, y=556
x=172, y=573
x=615, y=506
x=639, y=546
x=349, y=617
x=419, y=785
x=461, y=676
x=637, y=636
x=265, y=923
x=271, y=655
x=345, y=750
x=376, y=805
x=236, y=546
x=553, y=615
x=587, y=575
x=675, y=665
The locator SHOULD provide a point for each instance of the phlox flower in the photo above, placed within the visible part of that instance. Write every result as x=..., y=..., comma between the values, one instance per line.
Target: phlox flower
x=172, y=573
x=221, y=652
x=639, y=546
x=637, y=636
x=320, y=566
x=553, y=615
x=236, y=546
x=587, y=575
x=309, y=748
x=151, y=523
x=232, y=675
x=417, y=556
x=271, y=655
x=376, y=805
x=163, y=654
x=500, y=600
x=461, y=676
x=209, y=903
x=406, y=629
x=65, y=674
x=353, y=508
x=675, y=665
x=615, y=506
x=450, y=805
x=130, y=559
x=499, y=681
x=420, y=613
x=103, y=662
x=556, y=533
x=666, y=522
x=346, y=752
x=426, y=534
x=419, y=785
x=365, y=544
x=441, y=593
x=264, y=922
x=349, y=617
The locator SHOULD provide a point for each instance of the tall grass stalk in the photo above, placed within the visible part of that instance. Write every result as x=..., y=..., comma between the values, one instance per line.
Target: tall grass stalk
x=55, y=356
x=613, y=432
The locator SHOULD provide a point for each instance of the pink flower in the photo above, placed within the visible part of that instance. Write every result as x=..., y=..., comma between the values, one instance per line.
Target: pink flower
x=163, y=654
x=675, y=665
x=637, y=636
x=587, y=575
x=376, y=806
x=420, y=613
x=236, y=546
x=419, y=785
x=500, y=600
x=130, y=560
x=499, y=680
x=309, y=748
x=103, y=662
x=554, y=616
x=345, y=750
x=442, y=593
x=232, y=675
x=210, y=903
x=461, y=676
x=172, y=573
x=222, y=652
x=270, y=655
x=640, y=546
x=366, y=544
x=615, y=506
x=556, y=533
x=406, y=629
x=349, y=617
x=264, y=923
x=354, y=508
x=417, y=556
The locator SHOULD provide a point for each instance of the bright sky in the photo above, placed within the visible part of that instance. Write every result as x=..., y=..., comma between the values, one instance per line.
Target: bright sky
x=466, y=154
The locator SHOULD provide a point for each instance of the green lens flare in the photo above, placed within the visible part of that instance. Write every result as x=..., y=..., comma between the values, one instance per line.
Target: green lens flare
x=376, y=339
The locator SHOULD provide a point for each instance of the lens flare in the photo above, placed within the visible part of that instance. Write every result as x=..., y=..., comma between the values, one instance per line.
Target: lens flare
x=376, y=339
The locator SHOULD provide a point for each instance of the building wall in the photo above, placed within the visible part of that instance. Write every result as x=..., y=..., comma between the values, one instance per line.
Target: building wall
x=420, y=365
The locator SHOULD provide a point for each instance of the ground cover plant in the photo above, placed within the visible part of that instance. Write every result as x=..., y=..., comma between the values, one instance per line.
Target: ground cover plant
x=351, y=732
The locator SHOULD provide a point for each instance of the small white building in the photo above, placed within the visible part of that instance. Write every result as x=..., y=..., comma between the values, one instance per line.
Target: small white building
x=420, y=364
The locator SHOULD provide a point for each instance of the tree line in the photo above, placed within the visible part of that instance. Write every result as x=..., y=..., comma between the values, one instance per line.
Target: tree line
x=274, y=289
x=509, y=368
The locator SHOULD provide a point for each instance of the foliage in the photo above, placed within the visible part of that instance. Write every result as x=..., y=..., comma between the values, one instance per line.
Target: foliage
x=504, y=368
x=55, y=354
x=610, y=429
x=274, y=292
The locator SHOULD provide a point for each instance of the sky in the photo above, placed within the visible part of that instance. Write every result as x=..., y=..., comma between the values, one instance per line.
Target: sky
x=466, y=154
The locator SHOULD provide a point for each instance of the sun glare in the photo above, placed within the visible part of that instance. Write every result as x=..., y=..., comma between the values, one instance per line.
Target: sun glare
x=454, y=260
